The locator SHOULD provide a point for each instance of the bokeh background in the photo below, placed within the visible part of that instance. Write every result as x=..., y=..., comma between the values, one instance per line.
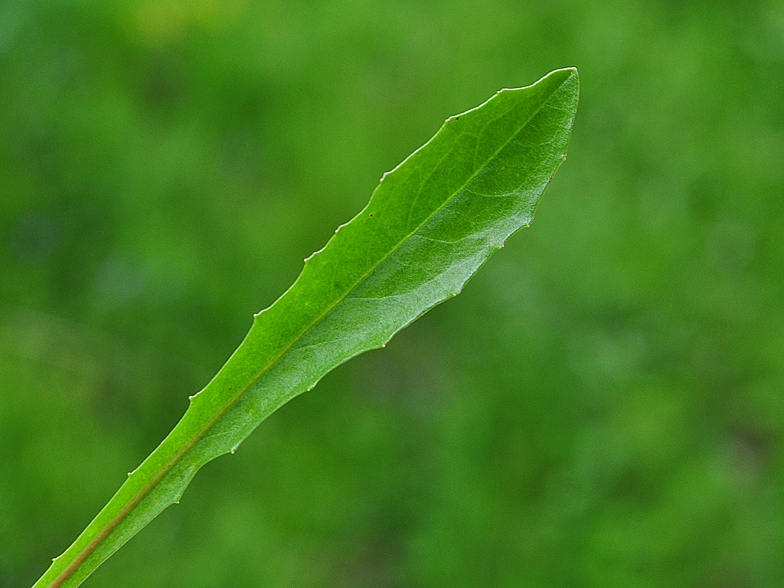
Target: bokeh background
x=603, y=406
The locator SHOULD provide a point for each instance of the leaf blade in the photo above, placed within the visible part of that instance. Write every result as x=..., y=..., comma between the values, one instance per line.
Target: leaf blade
x=429, y=225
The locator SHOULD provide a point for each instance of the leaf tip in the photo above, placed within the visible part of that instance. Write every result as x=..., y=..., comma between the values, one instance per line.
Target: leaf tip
x=571, y=71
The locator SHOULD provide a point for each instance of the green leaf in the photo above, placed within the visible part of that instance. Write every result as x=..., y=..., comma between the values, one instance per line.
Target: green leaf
x=430, y=224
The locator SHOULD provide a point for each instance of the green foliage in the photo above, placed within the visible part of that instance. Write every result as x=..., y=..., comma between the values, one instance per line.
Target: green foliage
x=430, y=224
x=601, y=407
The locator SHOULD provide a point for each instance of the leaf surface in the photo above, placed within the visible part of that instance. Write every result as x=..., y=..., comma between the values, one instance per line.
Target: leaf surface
x=429, y=225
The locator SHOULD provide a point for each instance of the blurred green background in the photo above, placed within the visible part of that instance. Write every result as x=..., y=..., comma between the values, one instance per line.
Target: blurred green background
x=603, y=406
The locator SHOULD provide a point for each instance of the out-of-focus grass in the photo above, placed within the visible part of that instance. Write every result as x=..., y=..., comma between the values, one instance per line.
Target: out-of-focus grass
x=603, y=404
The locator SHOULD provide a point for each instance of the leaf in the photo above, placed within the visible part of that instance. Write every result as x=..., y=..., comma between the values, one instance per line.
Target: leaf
x=430, y=224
